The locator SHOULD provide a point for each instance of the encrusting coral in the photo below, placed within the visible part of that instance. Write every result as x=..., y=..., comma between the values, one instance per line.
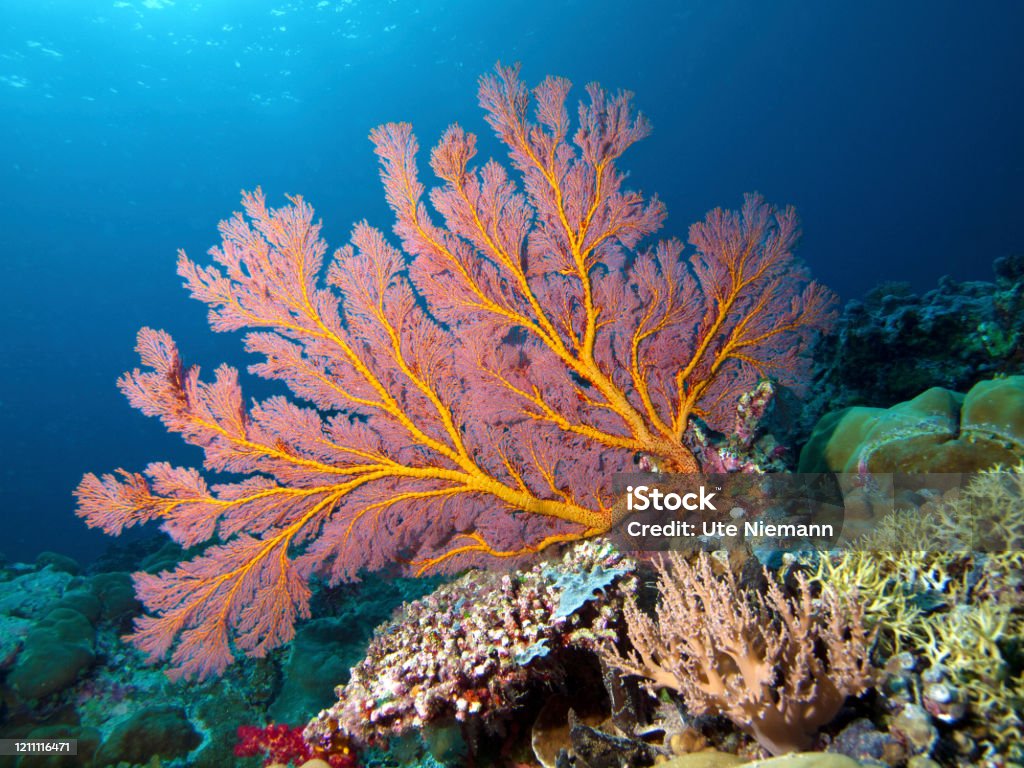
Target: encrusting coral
x=778, y=667
x=470, y=649
x=937, y=431
x=473, y=394
x=952, y=336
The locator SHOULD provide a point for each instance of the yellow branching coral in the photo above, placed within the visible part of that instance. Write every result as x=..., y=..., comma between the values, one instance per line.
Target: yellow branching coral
x=959, y=604
x=890, y=586
x=969, y=642
x=986, y=516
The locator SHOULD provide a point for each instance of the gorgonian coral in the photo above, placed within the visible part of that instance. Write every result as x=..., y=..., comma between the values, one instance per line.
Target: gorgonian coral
x=472, y=393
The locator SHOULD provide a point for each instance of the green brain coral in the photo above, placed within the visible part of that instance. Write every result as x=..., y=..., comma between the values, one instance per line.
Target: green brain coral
x=937, y=431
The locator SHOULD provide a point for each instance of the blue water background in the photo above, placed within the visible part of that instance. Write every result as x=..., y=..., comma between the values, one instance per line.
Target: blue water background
x=127, y=130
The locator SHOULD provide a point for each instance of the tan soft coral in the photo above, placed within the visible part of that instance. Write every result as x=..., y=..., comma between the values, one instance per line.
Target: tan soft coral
x=778, y=667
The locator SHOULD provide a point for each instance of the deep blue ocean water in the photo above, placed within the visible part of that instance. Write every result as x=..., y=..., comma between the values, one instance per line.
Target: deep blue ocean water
x=127, y=129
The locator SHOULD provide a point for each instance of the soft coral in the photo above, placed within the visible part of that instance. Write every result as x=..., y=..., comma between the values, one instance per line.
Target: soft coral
x=284, y=745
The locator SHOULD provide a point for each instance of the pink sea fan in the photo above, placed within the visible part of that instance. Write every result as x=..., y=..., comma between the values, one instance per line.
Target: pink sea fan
x=471, y=394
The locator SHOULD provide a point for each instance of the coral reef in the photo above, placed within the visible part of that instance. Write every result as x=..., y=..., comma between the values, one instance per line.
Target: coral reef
x=896, y=344
x=49, y=620
x=280, y=744
x=468, y=396
x=473, y=394
x=943, y=586
x=63, y=676
x=123, y=712
x=759, y=439
x=58, y=648
x=159, y=730
x=472, y=648
x=778, y=667
x=937, y=431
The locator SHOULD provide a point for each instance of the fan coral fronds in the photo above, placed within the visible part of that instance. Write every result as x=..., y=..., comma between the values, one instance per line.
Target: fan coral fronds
x=778, y=667
x=472, y=393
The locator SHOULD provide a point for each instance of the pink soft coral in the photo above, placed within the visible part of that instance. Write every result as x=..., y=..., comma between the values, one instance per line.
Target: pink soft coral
x=279, y=744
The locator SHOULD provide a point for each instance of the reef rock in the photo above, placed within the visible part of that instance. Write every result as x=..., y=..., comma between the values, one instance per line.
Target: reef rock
x=895, y=343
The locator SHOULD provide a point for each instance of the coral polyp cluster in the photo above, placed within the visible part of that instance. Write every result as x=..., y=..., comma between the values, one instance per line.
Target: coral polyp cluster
x=279, y=744
x=470, y=649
